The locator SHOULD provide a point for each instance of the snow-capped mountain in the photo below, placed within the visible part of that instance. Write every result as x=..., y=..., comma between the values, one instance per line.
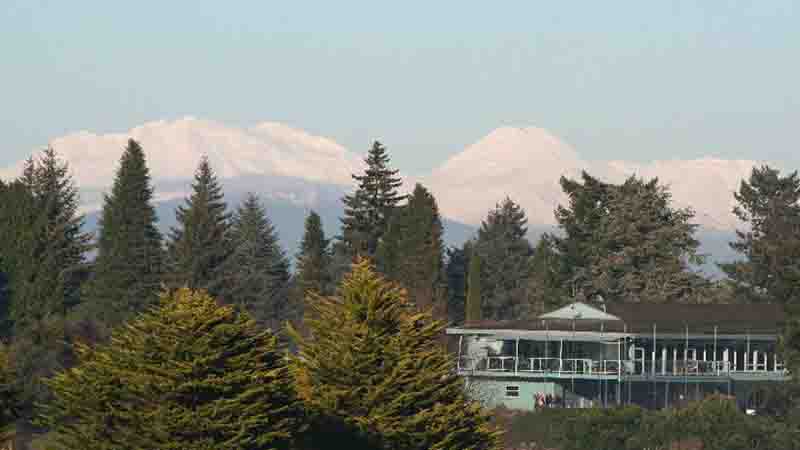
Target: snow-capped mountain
x=526, y=163
x=294, y=171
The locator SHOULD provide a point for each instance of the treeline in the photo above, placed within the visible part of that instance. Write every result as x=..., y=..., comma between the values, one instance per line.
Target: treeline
x=61, y=288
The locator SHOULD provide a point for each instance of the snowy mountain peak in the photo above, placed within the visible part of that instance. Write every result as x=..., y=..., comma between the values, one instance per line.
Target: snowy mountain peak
x=174, y=148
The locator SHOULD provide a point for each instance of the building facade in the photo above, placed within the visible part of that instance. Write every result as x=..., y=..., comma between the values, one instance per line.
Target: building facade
x=651, y=355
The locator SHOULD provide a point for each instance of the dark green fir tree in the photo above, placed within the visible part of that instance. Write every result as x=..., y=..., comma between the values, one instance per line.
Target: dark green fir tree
x=314, y=258
x=770, y=204
x=411, y=252
x=257, y=272
x=200, y=244
x=474, y=309
x=505, y=254
x=369, y=208
x=126, y=275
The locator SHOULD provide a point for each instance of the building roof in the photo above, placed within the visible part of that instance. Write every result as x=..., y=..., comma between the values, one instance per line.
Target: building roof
x=640, y=318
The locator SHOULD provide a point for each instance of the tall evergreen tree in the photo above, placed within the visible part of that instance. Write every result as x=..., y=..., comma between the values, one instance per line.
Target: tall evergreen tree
x=411, y=252
x=474, y=294
x=368, y=210
x=627, y=243
x=456, y=272
x=199, y=246
x=770, y=204
x=390, y=380
x=505, y=254
x=314, y=258
x=257, y=272
x=189, y=374
x=9, y=397
x=130, y=259
x=56, y=196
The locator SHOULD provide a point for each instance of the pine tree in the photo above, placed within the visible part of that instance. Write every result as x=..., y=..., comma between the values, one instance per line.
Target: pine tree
x=187, y=375
x=769, y=204
x=505, y=254
x=130, y=260
x=368, y=210
x=474, y=294
x=374, y=365
x=200, y=244
x=257, y=272
x=411, y=252
x=314, y=258
x=627, y=243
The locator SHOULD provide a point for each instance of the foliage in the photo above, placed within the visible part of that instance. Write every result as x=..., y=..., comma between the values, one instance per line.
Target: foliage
x=456, y=276
x=474, y=299
x=256, y=274
x=314, y=258
x=505, y=254
x=126, y=274
x=368, y=210
x=627, y=243
x=187, y=374
x=200, y=244
x=769, y=204
x=411, y=252
x=373, y=367
x=9, y=396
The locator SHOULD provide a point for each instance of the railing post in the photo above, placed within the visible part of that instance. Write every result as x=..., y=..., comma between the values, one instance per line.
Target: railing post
x=516, y=358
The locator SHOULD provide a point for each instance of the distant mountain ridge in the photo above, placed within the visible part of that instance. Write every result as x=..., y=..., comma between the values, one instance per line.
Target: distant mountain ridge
x=294, y=171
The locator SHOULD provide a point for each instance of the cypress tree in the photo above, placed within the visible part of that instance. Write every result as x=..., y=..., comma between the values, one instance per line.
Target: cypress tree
x=130, y=259
x=188, y=374
x=412, y=252
x=200, y=244
x=368, y=210
x=506, y=259
x=314, y=258
x=769, y=204
x=474, y=294
x=257, y=272
x=374, y=365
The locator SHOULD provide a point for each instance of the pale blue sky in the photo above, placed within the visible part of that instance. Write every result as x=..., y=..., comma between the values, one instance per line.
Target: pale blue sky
x=617, y=80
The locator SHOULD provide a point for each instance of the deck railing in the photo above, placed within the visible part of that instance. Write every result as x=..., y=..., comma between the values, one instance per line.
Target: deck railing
x=590, y=367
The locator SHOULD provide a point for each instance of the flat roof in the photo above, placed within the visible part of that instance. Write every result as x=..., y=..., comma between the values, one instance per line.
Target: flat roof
x=639, y=318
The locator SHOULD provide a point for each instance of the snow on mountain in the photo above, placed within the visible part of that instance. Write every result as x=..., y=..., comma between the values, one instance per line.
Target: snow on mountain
x=523, y=163
x=174, y=148
x=526, y=163
x=289, y=165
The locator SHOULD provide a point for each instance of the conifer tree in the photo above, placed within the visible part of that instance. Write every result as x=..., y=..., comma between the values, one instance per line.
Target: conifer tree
x=411, y=252
x=62, y=266
x=9, y=397
x=505, y=254
x=627, y=242
x=474, y=294
x=374, y=365
x=130, y=260
x=314, y=258
x=368, y=210
x=199, y=246
x=456, y=272
x=257, y=272
x=770, y=204
x=189, y=374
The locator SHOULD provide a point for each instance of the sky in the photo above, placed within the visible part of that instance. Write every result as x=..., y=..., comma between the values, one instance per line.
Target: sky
x=626, y=80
